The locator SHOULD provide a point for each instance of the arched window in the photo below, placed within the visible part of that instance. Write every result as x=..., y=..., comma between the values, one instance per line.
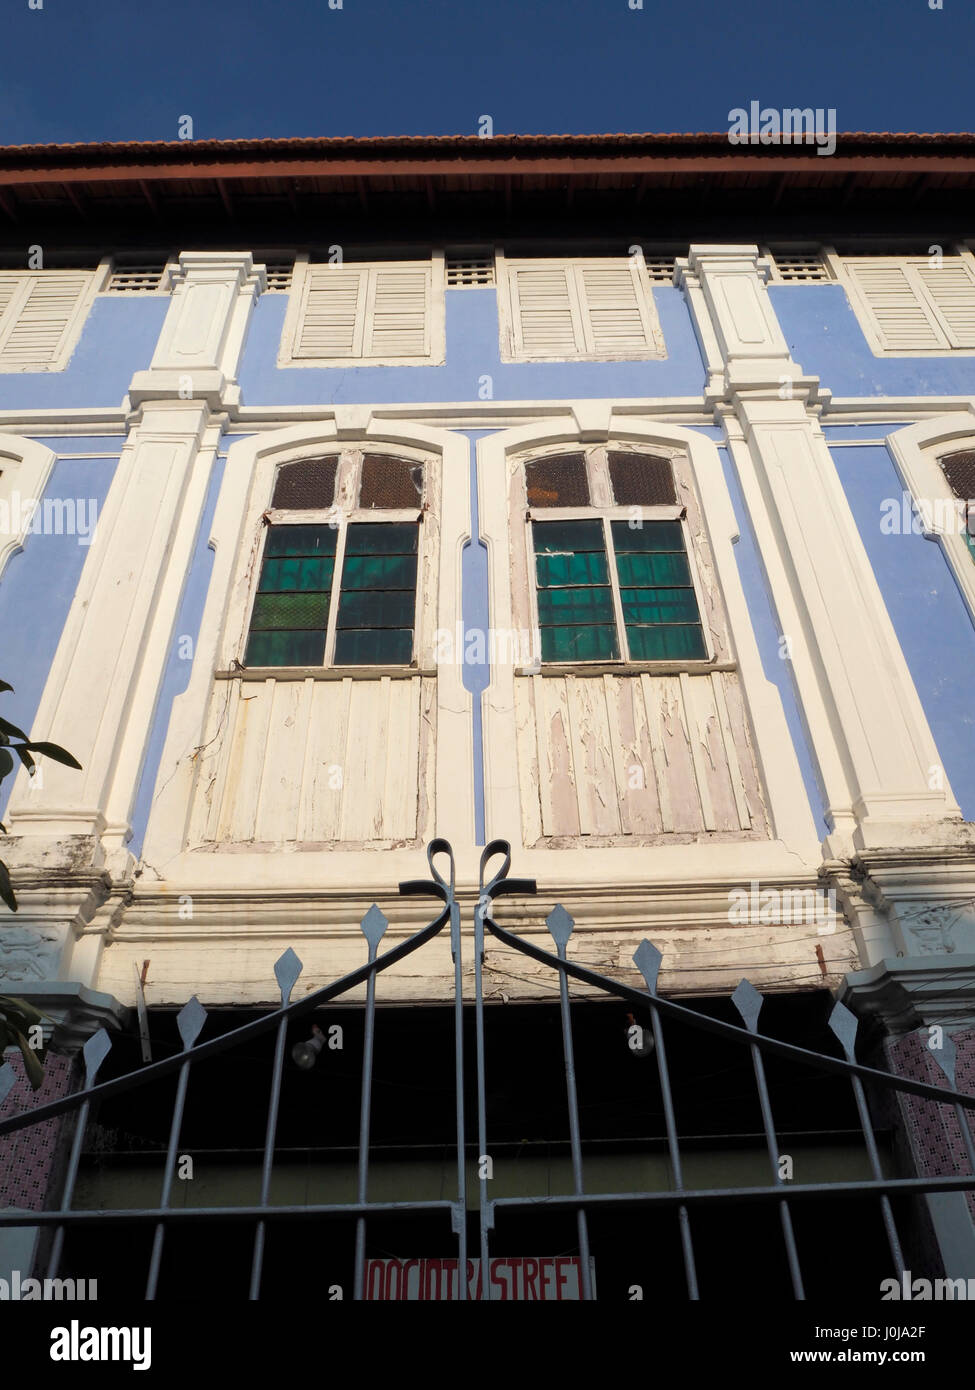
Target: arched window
x=614, y=572
x=337, y=583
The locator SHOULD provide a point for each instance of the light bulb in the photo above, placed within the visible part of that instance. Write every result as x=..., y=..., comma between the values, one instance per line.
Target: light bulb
x=305, y=1054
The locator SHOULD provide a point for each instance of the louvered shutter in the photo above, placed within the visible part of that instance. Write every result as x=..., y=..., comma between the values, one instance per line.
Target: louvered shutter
x=545, y=311
x=365, y=312
x=398, y=317
x=37, y=313
x=332, y=313
x=895, y=304
x=575, y=309
x=614, y=309
x=951, y=289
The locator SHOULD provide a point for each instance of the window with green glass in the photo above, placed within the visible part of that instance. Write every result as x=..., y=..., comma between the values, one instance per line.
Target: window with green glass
x=576, y=564
x=376, y=595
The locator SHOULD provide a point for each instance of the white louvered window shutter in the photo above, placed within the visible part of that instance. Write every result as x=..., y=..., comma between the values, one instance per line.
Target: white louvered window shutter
x=951, y=290
x=914, y=305
x=598, y=309
x=380, y=313
x=38, y=315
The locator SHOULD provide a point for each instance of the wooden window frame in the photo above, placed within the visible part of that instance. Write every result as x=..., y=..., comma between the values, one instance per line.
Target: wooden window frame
x=435, y=355
x=344, y=513
x=606, y=510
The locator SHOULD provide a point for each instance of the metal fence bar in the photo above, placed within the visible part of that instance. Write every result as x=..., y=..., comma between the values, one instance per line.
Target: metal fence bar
x=95, y=1050
x=373, y=927
x=647, y=960
x=190, y=1020
x=560, y=925
x=286, y=969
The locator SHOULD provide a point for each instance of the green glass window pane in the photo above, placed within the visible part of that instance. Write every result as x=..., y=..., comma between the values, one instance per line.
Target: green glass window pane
x=379, y=572
x=678, y=642
x=567, y=535
x=285, y=649
x=290, y=611
x=652, y=535
x=301, y=540
x=659, y=606
x=558, y=571
x=374, y=647
x=366, y=608
x=391, y=538
x=650, y=571
x=292, y=573
x=579, y=643
x=562, y=607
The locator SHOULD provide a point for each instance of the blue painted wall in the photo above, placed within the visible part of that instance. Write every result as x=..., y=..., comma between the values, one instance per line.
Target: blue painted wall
x=825, y=338
x=929, y=615
x=38, y=585
x=472, y=353
x=118, y=339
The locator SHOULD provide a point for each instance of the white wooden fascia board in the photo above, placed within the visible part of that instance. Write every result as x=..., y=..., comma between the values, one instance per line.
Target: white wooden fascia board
x=25, y=467
x=916, y=451
x=436, y=329
x=790, y=817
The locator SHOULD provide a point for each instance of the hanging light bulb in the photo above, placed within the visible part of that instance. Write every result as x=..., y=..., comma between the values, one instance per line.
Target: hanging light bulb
x=305, y=1054
x=639, y=1039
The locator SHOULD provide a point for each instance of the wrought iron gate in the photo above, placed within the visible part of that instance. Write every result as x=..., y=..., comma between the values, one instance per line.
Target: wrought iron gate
x=683, y=1201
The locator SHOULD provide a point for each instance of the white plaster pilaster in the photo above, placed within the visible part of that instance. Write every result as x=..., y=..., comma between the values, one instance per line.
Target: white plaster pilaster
x=868, y=729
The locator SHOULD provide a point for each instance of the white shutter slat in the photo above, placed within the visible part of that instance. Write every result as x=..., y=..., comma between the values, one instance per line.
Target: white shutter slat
x=900, y=316
x=42, y=317
x=951, y=288
x=545, y=321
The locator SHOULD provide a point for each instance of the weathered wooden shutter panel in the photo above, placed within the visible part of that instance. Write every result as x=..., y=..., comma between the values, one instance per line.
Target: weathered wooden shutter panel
x=398, y=314
x=35, y=323
x=333, y=313
x=902, y=319
x=546, y=317
x=951, y=287
x=615, y=318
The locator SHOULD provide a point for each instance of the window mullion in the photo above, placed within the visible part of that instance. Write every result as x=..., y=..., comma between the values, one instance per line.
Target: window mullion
x=614, y=580
x=333, y=604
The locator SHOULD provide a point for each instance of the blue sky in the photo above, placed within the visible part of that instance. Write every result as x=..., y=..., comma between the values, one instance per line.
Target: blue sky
x=124, y=70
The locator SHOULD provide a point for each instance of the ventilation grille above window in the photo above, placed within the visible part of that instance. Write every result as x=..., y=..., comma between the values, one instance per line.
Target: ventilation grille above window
x=558, y=481
x=959, y=470
x=390, y=482
x=279, y=275
x=641, y=480
x=660, y=269
x=144, y=278
x=802, y=266
x=469, y=271
x=308, y=485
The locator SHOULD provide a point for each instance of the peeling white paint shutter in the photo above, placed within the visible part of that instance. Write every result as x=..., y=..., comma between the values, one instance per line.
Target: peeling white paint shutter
x=896, y=304
x=398, y=312
x=36, y=314
x=614, y=309
x=545, y=311
x=951, y=289
x=333, y=313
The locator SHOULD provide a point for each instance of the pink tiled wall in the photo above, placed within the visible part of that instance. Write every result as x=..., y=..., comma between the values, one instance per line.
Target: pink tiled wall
x=29, y=1156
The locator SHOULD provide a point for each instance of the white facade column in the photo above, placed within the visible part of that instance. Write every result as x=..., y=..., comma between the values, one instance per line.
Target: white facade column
x=875, y=752
x=105, y=679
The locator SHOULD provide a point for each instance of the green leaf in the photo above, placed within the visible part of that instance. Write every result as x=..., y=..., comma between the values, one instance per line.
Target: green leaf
x=6, y=889
x=32, y=1064
x=28, y=1014
x=6, y=763
x=55, y=751
x=8, y=728
x=24, y=756
x=5, y=685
